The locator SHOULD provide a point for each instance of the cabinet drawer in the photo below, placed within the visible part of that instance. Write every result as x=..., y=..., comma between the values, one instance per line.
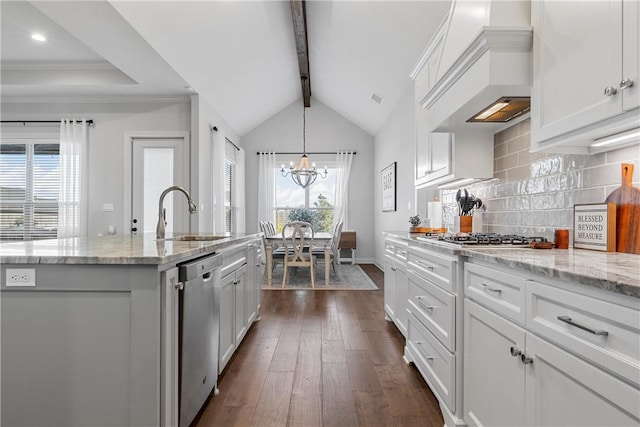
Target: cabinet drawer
x=396, y=249
x=501, y=292
x=233, y=258
x=435, y=363
x=599, y=331
x=434, y=308
x=401, y=252
x=436, y=268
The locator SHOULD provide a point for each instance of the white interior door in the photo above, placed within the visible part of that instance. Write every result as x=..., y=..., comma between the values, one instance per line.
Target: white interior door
x=157, y=163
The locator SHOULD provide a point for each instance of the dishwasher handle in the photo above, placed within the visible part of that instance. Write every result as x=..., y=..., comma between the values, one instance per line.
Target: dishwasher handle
x=199, y=267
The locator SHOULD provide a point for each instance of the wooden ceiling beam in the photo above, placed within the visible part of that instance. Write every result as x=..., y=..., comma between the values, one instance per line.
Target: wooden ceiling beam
x=299, y=15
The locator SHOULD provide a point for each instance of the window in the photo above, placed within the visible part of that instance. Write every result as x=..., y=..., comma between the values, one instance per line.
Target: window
x=313, y=204
x=29, y=188
x=229, y=196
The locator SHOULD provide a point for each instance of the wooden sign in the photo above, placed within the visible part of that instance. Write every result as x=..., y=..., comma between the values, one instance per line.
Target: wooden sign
x=594, y=227
x=388, y=176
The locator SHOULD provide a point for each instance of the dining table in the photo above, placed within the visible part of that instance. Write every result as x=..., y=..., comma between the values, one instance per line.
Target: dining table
x=321, y=239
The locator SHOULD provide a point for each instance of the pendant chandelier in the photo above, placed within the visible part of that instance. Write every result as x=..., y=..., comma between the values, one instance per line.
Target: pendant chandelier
x=305, y=173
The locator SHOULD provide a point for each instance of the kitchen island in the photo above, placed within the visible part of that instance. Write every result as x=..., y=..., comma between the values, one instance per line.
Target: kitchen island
x=89, y=328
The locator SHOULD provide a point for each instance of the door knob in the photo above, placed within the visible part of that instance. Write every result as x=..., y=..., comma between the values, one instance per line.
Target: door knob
x=610, y=91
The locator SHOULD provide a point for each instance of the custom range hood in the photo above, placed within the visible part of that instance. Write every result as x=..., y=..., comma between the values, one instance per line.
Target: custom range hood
x=480, y=56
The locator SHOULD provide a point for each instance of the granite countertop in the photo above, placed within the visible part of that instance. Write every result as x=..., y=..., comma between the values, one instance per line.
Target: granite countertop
x=118, y=249
x=613, y=271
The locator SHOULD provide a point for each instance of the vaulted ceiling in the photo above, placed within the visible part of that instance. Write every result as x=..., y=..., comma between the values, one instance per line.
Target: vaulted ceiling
x=240, y=56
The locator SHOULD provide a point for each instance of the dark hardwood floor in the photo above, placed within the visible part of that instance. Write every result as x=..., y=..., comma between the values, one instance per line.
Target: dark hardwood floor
x=322, y=358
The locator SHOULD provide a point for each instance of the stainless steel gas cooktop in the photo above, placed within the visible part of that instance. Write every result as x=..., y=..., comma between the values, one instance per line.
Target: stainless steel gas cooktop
x=483, y=239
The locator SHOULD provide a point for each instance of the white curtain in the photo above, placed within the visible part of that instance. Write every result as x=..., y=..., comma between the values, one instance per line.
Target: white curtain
x=266, y=187
x=217, y=177
x=240, y=199
x=343, y=171
x=72, y=199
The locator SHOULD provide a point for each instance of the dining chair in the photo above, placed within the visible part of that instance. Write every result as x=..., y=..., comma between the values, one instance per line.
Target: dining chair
x=334, y=253
x=297, y=237
x=277, y=251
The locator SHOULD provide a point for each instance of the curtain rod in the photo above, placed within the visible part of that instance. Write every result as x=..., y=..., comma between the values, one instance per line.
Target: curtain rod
x=215, y=129
x=231, y=142
x=299, y=152
x=24, y=122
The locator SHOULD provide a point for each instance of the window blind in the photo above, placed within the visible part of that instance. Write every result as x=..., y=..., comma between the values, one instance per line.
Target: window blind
x=29, y=189
x=229, y=194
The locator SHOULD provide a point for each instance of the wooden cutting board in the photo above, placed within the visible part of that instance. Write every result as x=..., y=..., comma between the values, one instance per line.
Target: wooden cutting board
x=627, y=200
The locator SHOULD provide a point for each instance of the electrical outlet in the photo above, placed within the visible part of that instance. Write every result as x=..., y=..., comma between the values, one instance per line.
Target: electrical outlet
x=20, y=277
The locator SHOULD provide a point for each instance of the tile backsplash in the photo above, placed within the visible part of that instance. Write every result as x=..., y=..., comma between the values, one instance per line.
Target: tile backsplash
x=534, y=193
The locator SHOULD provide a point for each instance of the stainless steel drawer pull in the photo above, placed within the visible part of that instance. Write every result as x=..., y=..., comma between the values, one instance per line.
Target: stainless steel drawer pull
x=515, y=351
x=429, y=358
x=429, y=266
x=567, y=319
x=428, y=307
x=490, y=289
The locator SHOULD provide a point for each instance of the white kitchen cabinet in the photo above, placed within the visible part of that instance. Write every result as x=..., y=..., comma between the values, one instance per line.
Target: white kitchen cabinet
x=255, y=270
x=444, y=156
x=231, y=299
x=433, y=151
x=564, y=390
x=539, y=370
x=435, y=326
x=493, y=377
x=586, y=72
x=395, y=284
x=237, y=296
x=390, y=285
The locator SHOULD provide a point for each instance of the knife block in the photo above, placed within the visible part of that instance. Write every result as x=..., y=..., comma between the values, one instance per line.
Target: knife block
x=462, y=224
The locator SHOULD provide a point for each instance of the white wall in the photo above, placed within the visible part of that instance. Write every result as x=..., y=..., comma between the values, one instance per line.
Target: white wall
x=205, y=116
x=106, y=142
x=326, y=131
x=395, y=143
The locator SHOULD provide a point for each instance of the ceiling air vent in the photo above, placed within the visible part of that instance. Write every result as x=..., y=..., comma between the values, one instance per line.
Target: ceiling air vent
x=503, y=110
x=376, y=98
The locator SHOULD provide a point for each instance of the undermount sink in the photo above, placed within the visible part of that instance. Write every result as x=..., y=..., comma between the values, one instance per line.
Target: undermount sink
x=195, y=238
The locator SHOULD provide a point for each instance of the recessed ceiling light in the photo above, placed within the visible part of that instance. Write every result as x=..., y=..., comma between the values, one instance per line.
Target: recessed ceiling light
x=38, y=37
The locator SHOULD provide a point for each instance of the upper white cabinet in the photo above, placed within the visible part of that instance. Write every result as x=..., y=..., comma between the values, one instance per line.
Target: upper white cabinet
x=586, y=73
x=480, y=53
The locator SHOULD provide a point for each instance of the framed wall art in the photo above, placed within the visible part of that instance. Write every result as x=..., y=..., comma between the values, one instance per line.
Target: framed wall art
x=388, y=175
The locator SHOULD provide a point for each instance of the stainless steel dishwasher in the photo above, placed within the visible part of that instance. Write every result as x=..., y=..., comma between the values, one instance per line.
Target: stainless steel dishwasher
x=199, y=329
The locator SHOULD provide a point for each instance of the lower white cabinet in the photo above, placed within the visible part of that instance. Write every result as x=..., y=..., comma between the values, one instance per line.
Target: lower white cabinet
x=544, y=371
x=434, y=331
x=563, y=390
x=493, y=377
x=231, y=299
x=396, y=284
x=238, y=296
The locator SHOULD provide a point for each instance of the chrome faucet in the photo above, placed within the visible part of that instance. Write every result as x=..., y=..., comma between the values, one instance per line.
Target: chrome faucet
x=160, y=228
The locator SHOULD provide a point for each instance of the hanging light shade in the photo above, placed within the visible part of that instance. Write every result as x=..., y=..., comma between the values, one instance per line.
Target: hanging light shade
x=304, y=173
